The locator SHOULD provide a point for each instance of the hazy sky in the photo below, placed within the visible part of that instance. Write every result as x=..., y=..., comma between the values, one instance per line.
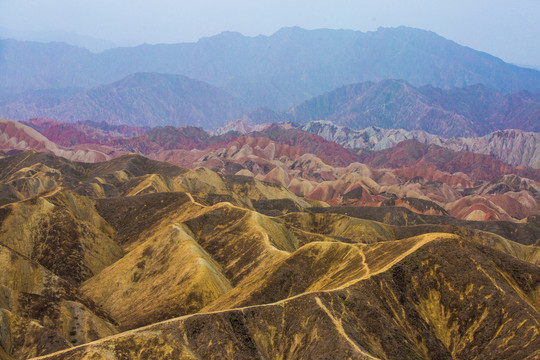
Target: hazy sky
x=508, y=29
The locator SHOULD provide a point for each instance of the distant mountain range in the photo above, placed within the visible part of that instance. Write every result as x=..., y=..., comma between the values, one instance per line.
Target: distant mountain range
x=277, y=71
x=89, y=42
x=394, y=104
x=152, y=99
x=143, y=99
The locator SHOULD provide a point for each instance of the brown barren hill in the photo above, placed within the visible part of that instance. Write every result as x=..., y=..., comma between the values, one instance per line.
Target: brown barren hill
x=420, y=306
x=135, y=258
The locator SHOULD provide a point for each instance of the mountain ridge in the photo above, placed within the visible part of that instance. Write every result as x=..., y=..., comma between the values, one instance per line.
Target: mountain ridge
x=276, y=71
x=144, y=99
x=467, y=111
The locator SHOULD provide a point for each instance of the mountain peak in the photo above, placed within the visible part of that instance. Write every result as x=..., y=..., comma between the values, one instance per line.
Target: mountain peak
x=224, y=36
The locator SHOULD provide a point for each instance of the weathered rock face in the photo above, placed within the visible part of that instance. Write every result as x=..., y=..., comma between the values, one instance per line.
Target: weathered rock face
x=185, y=264
x=371, y=138
x=514, y=147
x=17, y=136
x=43, y=258
x=61, y=231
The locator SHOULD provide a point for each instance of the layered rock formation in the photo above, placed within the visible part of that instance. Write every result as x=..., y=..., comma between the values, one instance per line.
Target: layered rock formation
x=514, y=147
x=427, y=179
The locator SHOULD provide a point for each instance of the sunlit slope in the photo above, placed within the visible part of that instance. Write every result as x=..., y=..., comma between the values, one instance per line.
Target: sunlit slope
x=448, y=299
x=168, y=275
x=184, y=257
x=320, y=266
x=185, y=260
x=240, y=190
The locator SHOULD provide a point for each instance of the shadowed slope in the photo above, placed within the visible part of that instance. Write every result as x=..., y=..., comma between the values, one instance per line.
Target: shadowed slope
x=41, y=313
x=527, y=233
x=61, y=231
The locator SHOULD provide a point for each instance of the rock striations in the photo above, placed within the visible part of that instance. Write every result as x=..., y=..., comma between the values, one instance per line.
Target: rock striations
x=514, y=147
x=425, y=178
